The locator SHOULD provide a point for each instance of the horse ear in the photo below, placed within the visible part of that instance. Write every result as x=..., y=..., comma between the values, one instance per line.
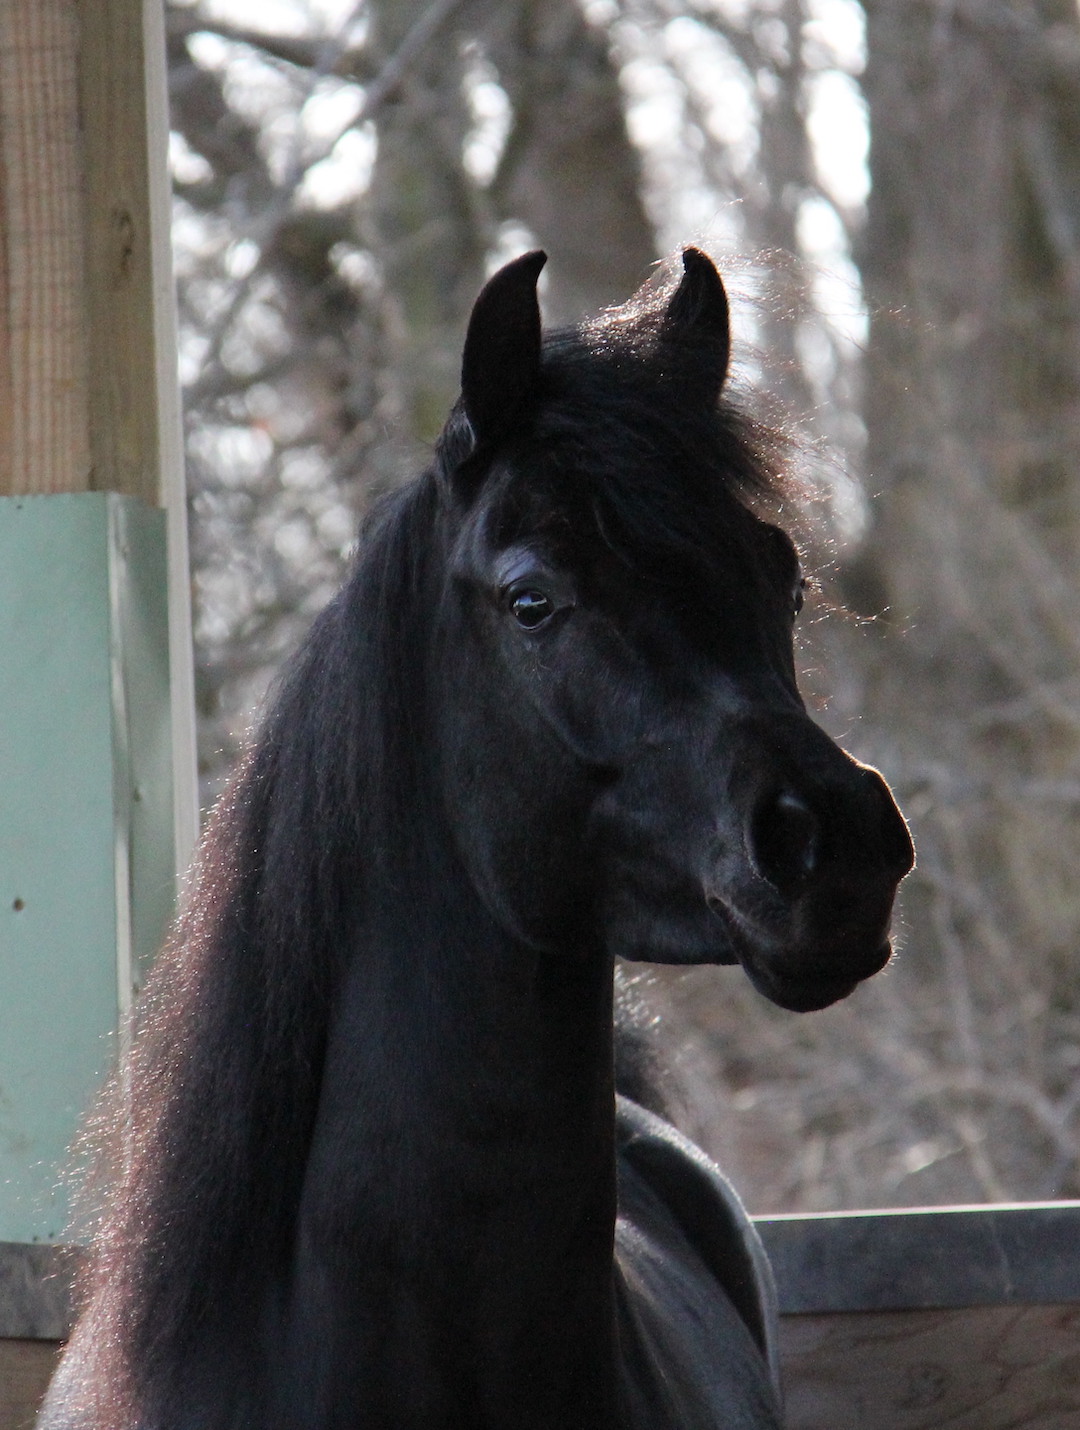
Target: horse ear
x=698, y=311
x=501, y=362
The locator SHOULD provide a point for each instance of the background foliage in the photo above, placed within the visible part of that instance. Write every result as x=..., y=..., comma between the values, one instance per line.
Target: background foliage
x=893, y=192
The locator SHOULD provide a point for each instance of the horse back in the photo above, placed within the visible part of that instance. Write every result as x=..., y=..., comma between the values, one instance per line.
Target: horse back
x=696, y=1306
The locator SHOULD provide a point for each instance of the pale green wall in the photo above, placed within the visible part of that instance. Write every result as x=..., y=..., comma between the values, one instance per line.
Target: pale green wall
x=86, y=858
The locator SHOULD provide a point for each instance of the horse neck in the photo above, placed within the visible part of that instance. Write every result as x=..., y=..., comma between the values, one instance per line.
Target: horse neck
x=459, y=1201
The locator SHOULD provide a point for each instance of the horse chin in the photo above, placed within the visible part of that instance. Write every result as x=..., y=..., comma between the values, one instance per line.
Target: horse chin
x=791, y=970
x=802, y=979
x=800, y=993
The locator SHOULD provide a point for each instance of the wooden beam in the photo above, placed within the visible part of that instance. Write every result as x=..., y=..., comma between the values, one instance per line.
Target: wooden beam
x=927, y=1258
x=122, y=397
x=77, y=341
x=44, y=400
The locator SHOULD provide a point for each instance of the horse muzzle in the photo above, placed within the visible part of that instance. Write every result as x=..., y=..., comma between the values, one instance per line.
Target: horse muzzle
x=806, y=894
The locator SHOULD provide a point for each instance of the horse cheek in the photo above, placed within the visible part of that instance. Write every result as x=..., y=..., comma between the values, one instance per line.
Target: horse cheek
x=517, y=804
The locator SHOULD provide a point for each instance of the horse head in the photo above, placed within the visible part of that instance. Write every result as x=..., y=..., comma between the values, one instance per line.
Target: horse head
x=628, y=761
x=365, y=1150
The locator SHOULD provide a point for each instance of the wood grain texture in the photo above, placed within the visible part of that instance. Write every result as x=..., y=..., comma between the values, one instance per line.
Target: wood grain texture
x=124, y=448
x=982, y=1368
x=44, y=436
x=78, y=401
x=25, y=1368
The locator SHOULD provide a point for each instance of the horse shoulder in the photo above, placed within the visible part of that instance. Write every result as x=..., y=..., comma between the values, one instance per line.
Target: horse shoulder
x=695, y=1299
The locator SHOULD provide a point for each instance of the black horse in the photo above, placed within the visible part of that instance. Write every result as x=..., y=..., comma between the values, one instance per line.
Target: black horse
x=369, y=1170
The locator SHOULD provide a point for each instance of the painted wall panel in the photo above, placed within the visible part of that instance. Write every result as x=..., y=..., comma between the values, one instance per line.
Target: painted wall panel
x=85, y=817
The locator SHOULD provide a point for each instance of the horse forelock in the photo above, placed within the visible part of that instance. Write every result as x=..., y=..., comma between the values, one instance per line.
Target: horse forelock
x=629, y=438
x=623, y=448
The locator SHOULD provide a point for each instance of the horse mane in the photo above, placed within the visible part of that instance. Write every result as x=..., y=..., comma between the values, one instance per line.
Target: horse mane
x=198, y=1150
x=194, y=1156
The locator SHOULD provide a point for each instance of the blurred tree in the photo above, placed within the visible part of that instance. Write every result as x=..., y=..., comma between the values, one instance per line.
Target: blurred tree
x=970, y=261
x=420, y=215
x=321, y=326
x=569, y=172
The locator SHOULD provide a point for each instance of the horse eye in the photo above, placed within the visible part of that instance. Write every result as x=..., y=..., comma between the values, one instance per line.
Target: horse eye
x=531, y=608
x=799, y=599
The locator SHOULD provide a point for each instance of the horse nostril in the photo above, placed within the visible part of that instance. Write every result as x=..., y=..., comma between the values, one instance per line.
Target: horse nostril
x=783, y=841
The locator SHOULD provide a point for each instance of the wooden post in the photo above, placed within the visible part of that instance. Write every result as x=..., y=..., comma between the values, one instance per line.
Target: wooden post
x=44, y=404
x=97, y=783
x=77, y=345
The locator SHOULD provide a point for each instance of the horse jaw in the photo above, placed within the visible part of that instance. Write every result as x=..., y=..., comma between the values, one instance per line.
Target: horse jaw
x=805, y=908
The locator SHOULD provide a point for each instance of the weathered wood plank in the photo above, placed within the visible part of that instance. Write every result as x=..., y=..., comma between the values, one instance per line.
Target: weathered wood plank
x=88, y=406
x=44, y=428
x=78, y=404
x=124, y=445
x=925, y=1258
x=983, y=1368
